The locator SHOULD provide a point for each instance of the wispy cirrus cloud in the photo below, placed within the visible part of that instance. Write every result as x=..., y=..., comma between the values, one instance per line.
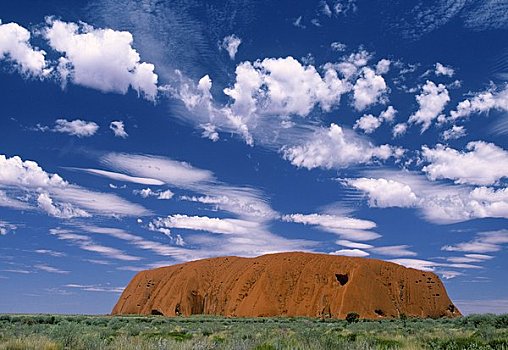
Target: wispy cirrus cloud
x=86, y=243
x=484, y=242
x=95, y=288
x=346, y=227
x=148, y=169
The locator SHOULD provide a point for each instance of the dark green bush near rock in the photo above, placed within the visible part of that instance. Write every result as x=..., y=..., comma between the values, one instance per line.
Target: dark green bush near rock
x=352, y=317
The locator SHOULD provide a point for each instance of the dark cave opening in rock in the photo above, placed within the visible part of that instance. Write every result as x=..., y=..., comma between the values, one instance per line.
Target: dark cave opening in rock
x=342, y=278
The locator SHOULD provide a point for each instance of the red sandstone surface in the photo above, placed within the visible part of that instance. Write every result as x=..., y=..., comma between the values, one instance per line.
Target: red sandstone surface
x=287, y=284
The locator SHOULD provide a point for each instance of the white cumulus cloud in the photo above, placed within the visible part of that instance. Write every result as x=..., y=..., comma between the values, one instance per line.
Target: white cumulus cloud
x=283, y=86
x=118, y=128
x=444, y=70
x=231, y=43
x=369, y=123
x=336, y=148
x=148, y=192
x=481, y=164
x=385, y=193
x=15, y=47
x=455, y=132
x=79, y=128
x=432, y=102
x=370, y=88
x=103, y=59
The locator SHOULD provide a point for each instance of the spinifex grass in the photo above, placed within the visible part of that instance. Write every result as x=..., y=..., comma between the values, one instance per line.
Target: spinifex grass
x=52, y=332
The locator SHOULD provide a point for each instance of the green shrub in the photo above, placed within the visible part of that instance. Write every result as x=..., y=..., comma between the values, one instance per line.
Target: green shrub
x=352, y=317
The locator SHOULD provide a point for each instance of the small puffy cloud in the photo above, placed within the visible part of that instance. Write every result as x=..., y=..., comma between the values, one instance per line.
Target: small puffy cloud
x=338, y=46
x=399, y=129
x=383, y=66
x=336, y=148
x=455, y=132
x=118, y=129
x=148, y=192
x=298, y=22
x=102, y=59
x=432, y=102
x=231, y=43
x=5, y=228
x=369, y=89
x=388, y=114
x=210, y=132
x=385, y=193
x=444, y=70
x=481, y=164
x=369, y=123
x=346, y=227
x=79, y=128
x=15, y=47
x=325, y=9
x=344, y=7
x=484, y=242
x=351, y=252
x=352, y=64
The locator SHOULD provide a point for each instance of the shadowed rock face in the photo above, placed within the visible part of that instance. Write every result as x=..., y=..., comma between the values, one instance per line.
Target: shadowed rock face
x=287, y=284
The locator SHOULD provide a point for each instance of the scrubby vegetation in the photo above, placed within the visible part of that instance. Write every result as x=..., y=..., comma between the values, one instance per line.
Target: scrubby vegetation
x=50, y=332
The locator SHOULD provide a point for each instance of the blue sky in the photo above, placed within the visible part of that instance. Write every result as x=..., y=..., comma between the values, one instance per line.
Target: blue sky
x=137, y=134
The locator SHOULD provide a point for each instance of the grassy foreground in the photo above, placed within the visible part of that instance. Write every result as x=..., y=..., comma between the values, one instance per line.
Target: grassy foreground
x=52, y=332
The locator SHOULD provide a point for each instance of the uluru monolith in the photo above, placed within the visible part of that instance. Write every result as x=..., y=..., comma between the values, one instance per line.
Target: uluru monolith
x=287, y=284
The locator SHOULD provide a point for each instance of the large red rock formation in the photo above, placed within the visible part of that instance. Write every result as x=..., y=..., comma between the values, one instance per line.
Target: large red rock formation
x=287, y=284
